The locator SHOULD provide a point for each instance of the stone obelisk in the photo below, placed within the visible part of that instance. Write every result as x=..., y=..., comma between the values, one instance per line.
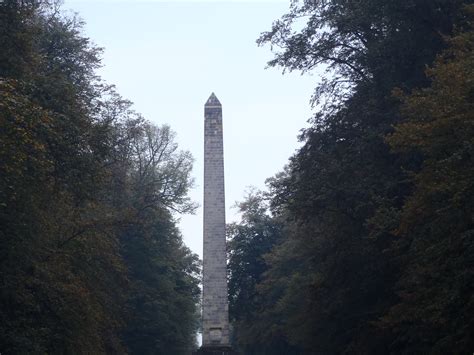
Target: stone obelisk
x=215, y=312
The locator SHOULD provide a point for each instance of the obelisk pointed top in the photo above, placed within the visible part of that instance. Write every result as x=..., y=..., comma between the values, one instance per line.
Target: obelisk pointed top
x=212, y=101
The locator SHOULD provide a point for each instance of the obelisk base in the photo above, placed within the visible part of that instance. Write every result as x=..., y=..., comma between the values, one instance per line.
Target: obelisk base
x=215, y=350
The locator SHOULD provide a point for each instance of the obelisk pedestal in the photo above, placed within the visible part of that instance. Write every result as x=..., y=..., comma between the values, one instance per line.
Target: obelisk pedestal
x=215, y=312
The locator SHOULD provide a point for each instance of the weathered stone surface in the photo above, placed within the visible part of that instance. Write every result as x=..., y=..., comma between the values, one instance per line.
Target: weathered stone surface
x=215, y=350
x=214, y=303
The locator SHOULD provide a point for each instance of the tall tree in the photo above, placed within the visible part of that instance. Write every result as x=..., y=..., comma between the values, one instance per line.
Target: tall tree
x=342, y=194
x=249, y=242
x=72, y=188
x=437, y=221
x=164, y=274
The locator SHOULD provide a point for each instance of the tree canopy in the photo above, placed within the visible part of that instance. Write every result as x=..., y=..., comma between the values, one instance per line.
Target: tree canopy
x=91, y=259
x=375, y=248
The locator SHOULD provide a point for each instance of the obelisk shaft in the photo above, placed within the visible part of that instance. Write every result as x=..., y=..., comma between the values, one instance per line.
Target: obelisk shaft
x=215, y=305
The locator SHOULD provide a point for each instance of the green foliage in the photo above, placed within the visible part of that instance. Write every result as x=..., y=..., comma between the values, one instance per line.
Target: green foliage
x=88, y=239
x=164, y=290
x=375, y=254
x=249, y=242
x=436, y=224
x=164, y=274
x=366, y=42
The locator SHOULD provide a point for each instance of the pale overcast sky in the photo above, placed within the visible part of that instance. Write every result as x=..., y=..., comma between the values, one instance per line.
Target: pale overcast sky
x=167, y=57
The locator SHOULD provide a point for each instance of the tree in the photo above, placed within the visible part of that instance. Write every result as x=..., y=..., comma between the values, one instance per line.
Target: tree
x=249, y=242
x=87, y=192
x=59, y=258
x=164, y=289
x=359, y=42
x=436, y=225
x=164, y=274
x=342, y=194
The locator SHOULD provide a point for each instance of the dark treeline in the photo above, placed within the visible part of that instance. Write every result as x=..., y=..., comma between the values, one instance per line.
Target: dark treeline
x=91, y=260
x=364, y=244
